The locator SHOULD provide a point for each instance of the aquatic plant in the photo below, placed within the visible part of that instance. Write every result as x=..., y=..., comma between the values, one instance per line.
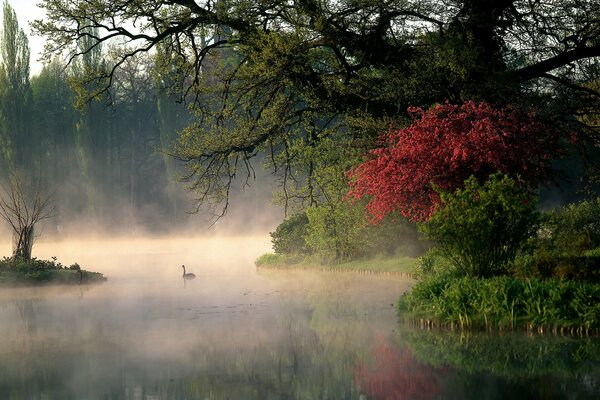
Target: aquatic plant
x=504, y=303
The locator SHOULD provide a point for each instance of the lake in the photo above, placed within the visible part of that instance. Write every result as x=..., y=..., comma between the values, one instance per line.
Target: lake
x=238, y=333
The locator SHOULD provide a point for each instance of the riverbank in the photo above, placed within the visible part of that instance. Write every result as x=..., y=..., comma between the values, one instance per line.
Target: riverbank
x=405, y=266
x=20, y=272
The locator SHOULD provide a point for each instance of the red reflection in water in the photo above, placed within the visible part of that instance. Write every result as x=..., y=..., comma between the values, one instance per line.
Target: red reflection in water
x=395, y=374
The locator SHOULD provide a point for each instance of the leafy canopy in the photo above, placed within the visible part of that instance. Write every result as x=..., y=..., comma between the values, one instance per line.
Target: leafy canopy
x=258, y=74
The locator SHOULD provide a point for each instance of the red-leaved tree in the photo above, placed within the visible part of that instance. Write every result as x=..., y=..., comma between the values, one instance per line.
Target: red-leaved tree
x=443, y=147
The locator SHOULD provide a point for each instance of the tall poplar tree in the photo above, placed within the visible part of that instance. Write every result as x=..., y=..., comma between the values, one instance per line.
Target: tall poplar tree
x=17, y=144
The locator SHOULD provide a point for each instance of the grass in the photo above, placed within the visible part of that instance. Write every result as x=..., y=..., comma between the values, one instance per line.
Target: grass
x=504, y=303
x=400, y=264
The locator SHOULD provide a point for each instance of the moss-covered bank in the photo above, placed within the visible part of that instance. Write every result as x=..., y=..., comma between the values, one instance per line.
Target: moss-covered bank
x=15, y=271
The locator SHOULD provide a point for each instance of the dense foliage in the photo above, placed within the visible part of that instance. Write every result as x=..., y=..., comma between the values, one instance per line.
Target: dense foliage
x=443, y=147
x=332, y=234
x=551, y=284
x=481, y=228
x=574, y=228
x=289, y=238
x=566, y=244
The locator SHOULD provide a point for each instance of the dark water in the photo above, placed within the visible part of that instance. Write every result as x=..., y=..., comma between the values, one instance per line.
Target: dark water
x=238, y=333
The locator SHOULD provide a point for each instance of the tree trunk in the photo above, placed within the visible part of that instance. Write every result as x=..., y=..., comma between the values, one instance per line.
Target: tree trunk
x=23, y=243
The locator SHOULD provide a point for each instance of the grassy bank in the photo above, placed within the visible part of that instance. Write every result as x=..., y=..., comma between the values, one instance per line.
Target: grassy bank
x=396, y=265
x=20, y=272
x=504, y=303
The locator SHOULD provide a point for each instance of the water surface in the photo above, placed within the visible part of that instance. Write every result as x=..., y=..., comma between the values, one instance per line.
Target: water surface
x=238, y=333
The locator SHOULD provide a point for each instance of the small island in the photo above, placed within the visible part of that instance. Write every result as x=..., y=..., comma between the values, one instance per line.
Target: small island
x=17, y=271
x=22, y=207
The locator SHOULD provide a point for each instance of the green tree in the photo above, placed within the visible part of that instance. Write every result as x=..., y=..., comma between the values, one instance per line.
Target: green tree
x=53, y=120
x=172, y=117
x=482, y=227
x=17, y=143
x=90, y=115
x=349, y=68
x=290, y=236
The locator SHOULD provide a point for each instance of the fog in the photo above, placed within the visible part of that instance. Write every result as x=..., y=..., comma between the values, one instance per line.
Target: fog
x=146, y=330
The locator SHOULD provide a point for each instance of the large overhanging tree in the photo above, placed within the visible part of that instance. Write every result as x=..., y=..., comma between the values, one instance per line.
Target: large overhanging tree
x=283, y=75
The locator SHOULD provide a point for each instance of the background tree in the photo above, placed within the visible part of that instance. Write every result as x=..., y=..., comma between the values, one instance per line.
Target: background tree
x=53, y=119
x=17, y=142
x=22, y=208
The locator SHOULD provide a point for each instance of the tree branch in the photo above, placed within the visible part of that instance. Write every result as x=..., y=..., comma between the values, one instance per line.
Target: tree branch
x=538, y=70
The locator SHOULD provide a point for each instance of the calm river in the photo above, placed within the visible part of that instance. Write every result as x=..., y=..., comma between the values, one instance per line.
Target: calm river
x=238, y=333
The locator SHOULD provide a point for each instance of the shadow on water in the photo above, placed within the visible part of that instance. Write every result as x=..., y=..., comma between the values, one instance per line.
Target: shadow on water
x=235, y=333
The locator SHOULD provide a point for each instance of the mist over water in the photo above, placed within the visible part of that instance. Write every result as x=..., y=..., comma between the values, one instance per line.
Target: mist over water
x=235, y=332
x=146, y=325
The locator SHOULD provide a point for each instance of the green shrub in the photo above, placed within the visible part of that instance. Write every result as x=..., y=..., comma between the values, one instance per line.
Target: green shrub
x=17, y=270
x=337, y=233
x=567, y=245
x=576, y=227
x=289, y=236
x=482, y=228
x=546, y=264
x=433, y=262
x=342, y=233
x=75, y=267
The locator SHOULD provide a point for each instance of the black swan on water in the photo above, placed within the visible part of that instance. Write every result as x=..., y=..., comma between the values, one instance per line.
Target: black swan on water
x=189, y=275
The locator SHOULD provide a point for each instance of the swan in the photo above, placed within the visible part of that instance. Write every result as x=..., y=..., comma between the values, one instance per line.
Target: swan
x=189, y=275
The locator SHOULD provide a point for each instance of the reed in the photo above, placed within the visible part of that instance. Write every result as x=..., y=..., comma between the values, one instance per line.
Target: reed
x=504, y=303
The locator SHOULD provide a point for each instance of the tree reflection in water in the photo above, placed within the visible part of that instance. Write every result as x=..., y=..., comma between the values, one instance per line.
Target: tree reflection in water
x=394, y=374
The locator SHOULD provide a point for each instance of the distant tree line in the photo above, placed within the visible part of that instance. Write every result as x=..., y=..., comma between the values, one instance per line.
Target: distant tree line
x=106, y=158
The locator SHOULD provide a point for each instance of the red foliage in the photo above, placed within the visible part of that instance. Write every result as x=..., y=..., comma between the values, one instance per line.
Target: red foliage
x=443, y=147
x=395, y=375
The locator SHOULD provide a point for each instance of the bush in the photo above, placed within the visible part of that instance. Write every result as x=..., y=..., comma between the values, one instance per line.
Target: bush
x=19, y=271
x=577, y=226
x=289, y=236
x=548, y=264
x=482, y=228
x=566, y=245
x=341, y=232
x=336, y=233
